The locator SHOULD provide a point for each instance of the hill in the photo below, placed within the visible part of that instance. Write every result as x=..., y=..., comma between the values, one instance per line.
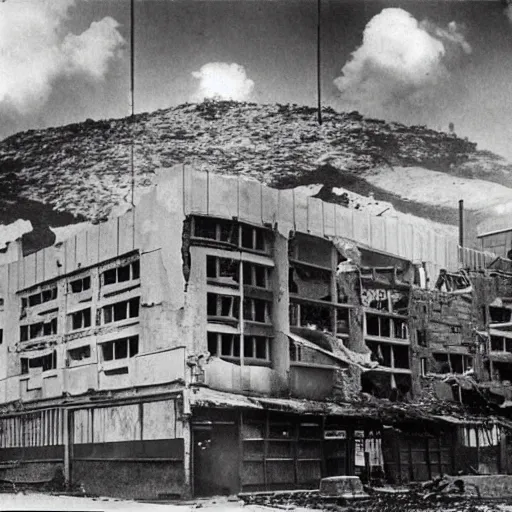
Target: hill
x=82, y=171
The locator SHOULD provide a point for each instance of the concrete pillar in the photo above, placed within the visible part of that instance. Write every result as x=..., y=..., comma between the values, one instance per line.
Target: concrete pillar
x=280, y=352
x=188, y=467
x=67, y=445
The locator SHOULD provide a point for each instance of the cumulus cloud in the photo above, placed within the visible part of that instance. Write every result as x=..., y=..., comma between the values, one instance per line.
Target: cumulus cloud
x=36, y=50
x=219, y=80
x=401, y=64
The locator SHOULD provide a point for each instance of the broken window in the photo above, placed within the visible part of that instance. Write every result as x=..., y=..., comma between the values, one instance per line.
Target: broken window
x=257, y=347
x=399, y=302
x=400, y=356
x=38, y=330
x=223, y=270
x=80, y=285
x=80, y=319
x=79, y=353
x=35, y=299
x=502, y=371
x=121, y=310
x=224, y=344
x=423, y=366
x=120, y=349
x=222, y=307
x=47, y=362
x=311, y=283
x=311, y=250
x=257, y=310
x=421, y=337
x=256, y=275
x=386, y=327
x=499, y=315
x=228, y=345
x=123, y=273
x=219, y=230
x=253, y=238
x=295, y=351
x=442, y=363
x=314, y=316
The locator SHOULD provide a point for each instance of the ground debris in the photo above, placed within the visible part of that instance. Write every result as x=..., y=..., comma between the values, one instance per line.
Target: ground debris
x=417, y=498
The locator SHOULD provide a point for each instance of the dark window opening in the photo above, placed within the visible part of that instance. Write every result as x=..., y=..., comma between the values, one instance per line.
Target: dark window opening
x=109, y=276
x=47, y=362
x=312, y=316
x=502, y=371
x=80, y=285
x=255, y=275
x=497, y=344
x=499, y=315
x=222, y=306
x=120, y=349
x=80, y=353
x=442, y=363
x=401, y=356
x=421, y=337
x=257, y=310
x=122, y=274
x=205, y=227
x=81, y=319
x=223, y=269
x=121, y=310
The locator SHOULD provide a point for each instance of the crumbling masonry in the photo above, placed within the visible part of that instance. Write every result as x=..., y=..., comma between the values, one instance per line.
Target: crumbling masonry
x=224, y=336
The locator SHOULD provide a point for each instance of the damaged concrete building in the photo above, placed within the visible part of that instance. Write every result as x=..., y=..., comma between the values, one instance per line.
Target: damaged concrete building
x=224, y=336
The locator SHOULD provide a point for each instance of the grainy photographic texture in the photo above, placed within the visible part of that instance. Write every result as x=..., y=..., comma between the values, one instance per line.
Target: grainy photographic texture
x=255, y=255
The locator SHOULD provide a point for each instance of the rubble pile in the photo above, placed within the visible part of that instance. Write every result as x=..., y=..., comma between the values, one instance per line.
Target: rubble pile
x=415, y=499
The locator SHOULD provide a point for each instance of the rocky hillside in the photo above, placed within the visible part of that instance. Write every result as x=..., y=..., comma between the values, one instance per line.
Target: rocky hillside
x=83, y=171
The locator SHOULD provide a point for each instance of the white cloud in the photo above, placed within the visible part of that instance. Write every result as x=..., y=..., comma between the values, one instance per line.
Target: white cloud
x=35, y=50
x=401, y=62
x=219, y=80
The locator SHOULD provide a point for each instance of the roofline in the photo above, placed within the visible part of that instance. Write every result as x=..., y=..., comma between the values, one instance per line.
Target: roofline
x=494, y=232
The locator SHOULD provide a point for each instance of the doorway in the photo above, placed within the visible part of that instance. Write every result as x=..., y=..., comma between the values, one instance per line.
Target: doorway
x=216, y=459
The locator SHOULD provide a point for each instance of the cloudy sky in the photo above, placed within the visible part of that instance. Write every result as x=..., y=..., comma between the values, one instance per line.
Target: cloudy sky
x=414, y=61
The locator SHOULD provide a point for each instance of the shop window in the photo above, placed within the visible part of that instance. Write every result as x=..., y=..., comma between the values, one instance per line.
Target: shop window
x=120, y=349
x=80, y=319
x=257, y=310
x=80, y=285
x=47, y=363
x=121, y=274
x=121, y=310
x=223, y=270
x=80, y=353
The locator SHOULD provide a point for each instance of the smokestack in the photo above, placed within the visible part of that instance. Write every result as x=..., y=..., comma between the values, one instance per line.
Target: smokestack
x=461, y=223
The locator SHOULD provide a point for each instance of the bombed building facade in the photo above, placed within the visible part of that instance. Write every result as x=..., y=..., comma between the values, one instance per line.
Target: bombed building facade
x=224, y=336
